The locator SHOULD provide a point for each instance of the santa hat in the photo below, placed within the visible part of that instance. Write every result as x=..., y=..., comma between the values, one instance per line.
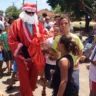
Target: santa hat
x=29, y=7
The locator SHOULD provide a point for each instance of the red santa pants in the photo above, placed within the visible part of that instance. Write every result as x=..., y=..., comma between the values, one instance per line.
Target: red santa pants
x=28, y=78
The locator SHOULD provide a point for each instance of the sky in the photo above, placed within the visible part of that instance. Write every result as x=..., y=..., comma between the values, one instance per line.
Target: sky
x=18, y=3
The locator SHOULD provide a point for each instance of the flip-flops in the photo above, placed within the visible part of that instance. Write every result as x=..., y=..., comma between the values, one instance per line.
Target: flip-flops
x=9, y=88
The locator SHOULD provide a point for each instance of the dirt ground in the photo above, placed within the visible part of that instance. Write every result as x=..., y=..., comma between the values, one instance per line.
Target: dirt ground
x=84, y=84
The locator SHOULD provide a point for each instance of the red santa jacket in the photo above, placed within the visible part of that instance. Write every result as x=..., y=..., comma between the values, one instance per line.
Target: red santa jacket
x=19, y=36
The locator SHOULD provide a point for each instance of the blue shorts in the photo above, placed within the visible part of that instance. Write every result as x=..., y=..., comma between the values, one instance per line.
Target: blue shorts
x=75, y=76
x=1, y=57
x=15, y=69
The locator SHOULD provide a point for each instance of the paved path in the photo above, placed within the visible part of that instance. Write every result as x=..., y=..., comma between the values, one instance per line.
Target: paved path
x=84, y=84
x=84, y=80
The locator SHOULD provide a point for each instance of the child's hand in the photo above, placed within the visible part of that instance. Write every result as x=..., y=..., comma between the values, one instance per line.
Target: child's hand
x=45, y=46
x=52, y=71
x=82, y=57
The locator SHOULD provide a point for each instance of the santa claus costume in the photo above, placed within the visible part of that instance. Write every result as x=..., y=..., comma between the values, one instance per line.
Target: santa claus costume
x=25, y=38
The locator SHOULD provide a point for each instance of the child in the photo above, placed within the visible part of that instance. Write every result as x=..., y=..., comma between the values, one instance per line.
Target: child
x=7, y=55
x=10, y=87
x=50, y=55
x=49, y=58
x=1, y=47
x=92, y=70
x=63, y=83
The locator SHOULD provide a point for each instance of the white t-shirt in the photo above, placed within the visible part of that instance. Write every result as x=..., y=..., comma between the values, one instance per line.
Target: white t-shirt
x=92, y=72
x=49, y=42
x=92, y=69
x=93, y=54
x=51, y=24
x=1, y=25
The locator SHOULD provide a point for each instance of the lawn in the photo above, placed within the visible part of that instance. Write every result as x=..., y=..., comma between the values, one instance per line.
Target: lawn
x=77, y=24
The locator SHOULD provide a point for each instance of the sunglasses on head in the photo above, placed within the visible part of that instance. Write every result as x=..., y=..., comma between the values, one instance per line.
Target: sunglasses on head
x=29, y=12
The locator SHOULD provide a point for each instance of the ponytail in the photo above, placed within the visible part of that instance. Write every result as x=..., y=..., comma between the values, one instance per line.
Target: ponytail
x=70, y=45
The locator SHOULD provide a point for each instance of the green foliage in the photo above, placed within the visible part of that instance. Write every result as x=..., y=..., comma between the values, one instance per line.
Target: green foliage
x=1, y=13
x=77, y=8
x=53, y=3
x=95, y=11
x=57, y=9
x=12, y=11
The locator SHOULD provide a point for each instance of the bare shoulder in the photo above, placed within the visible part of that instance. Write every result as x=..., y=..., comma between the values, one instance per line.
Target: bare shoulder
x=64, y=62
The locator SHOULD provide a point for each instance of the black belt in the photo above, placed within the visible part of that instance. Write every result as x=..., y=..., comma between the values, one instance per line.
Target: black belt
x=25, y=52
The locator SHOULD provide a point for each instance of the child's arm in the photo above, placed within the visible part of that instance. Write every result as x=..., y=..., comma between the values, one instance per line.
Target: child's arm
x=53, y=53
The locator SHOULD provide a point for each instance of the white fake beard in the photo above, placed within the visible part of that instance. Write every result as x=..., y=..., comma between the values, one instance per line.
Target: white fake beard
x=29, y=19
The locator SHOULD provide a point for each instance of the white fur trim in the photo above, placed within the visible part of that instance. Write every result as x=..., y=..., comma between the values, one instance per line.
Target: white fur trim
x=37, y=29
x=46, y=30
x=29, y=8
x=17, y=49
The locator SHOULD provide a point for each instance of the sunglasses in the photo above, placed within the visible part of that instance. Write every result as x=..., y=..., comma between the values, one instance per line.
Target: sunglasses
x=29, y=12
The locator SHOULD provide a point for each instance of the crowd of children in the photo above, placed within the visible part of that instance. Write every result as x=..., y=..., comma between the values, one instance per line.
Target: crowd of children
x=62, y=52
x=5, y=53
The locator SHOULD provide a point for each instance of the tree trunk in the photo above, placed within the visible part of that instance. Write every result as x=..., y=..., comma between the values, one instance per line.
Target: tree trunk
x=87, y=21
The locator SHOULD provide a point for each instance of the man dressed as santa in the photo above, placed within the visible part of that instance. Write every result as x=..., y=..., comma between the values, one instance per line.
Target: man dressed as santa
x=25, y=38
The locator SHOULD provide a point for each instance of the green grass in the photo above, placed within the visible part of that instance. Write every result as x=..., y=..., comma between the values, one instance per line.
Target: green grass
x=77, y=24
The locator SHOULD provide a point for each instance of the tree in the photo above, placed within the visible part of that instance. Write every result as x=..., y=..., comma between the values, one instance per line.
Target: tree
x=1, y=13
x=12, y=11
x=77, y=8
x=57, y=9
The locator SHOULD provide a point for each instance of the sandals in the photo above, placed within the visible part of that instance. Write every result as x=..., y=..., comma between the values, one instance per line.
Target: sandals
x=1, y=74
x=9, y=88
